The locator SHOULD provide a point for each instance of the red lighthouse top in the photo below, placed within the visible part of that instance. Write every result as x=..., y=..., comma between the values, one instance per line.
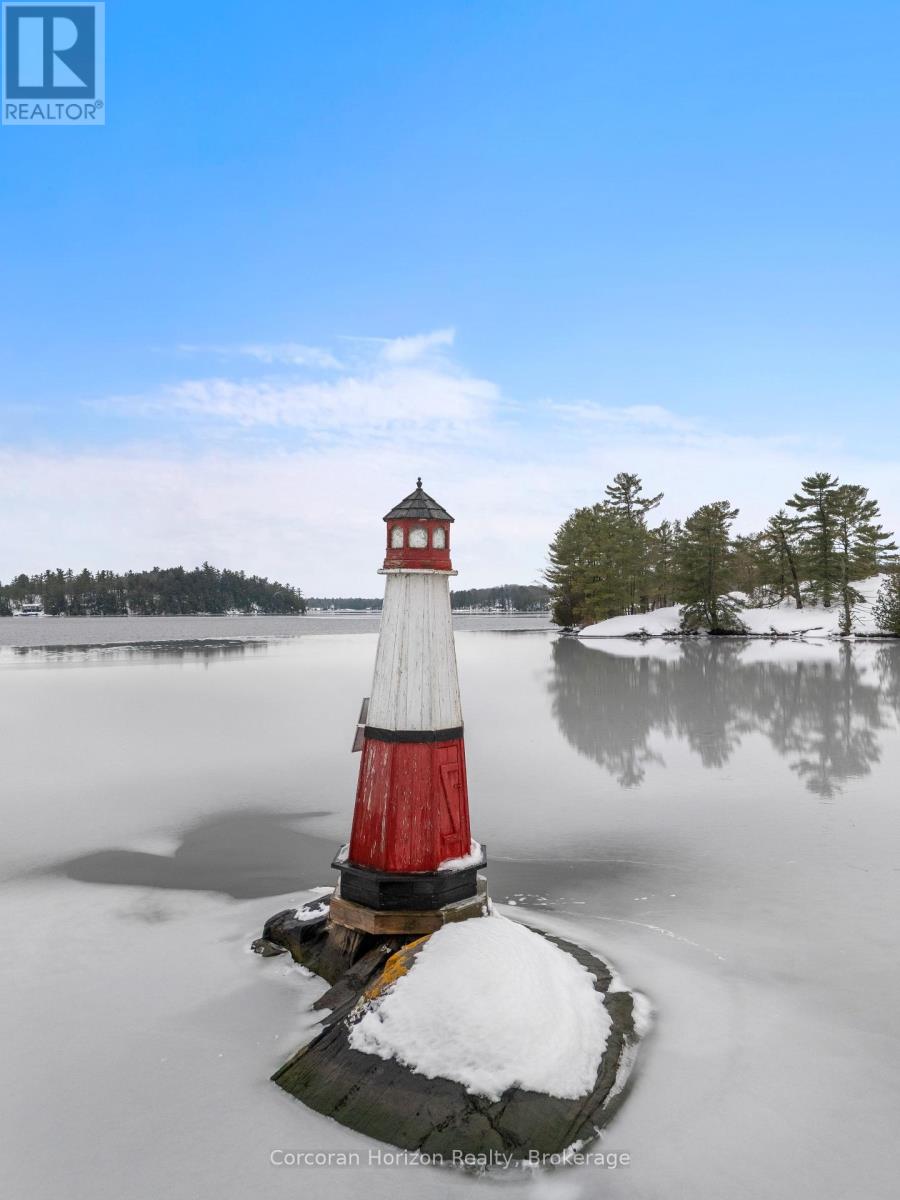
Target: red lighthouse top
x=418, y=534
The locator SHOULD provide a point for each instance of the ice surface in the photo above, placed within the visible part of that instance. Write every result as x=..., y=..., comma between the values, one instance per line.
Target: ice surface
x=717, y=819
x=492, y=1005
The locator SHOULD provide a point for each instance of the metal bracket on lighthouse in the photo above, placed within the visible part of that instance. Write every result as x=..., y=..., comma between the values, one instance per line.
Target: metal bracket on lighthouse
x=411, y=863
x=358, y=737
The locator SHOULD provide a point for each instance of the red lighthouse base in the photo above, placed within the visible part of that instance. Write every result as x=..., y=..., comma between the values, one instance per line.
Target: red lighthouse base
x=411, y=815
x=411, y=811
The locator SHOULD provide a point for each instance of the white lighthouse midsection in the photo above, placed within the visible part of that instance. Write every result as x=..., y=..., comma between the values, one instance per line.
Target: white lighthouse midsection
x=416, y=685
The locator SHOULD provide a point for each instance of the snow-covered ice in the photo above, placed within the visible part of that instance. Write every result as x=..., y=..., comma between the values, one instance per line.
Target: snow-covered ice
x=757, y=912
x=491, y=1005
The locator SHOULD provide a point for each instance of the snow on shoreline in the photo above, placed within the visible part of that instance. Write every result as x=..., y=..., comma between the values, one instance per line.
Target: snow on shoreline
x=491, y=1004
x=779, y=620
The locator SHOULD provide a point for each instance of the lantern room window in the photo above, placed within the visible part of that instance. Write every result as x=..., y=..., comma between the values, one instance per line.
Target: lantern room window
x=439, y=538
x=418, y=537
x=397, y=537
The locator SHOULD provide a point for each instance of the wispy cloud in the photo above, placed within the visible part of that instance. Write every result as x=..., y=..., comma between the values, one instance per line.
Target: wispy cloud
x=293, y=354
x=643, y=416
x=358, y=405
x=394, y=350
x=401, y=383
x=410, y=349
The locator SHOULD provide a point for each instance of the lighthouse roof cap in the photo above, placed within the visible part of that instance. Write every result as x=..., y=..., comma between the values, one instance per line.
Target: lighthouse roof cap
x=418, y=506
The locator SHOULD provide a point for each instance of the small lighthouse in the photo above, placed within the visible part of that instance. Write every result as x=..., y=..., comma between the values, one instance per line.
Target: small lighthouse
x=525, y=1046
x=411, y=850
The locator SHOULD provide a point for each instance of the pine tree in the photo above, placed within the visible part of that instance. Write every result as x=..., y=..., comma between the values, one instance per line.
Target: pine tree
x=625, y=502
x=613, y=582
x=624, y=496
x=887, y=605
x=748, y=564
x=663, y=550
x=859, y=544
x=603, y=557
x=781, y=544
x=814, y=504
x=704, y=569
x=568, y=570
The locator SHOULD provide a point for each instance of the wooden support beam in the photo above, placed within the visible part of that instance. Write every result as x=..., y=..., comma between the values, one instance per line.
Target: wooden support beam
x=349, y=915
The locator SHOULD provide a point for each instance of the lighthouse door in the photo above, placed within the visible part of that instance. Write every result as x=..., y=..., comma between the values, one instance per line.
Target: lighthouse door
x=454, y=840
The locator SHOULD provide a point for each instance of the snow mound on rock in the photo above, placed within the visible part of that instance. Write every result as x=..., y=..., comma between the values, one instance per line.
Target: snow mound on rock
x=652, y=624
x=492, y=1005
x=782, y=619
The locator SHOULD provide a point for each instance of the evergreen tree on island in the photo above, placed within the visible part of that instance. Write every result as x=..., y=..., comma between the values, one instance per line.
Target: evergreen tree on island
x=664, y=541
x=815, y=507
x=748, y=558
x=575, y=565
x=602, y=558
x=781, y=560
x=629, y=510
x=887, y=606
x=704, y=569
x=860, y=543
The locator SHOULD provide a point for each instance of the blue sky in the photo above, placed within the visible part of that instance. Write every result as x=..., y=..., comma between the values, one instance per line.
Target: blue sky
x=516, y=246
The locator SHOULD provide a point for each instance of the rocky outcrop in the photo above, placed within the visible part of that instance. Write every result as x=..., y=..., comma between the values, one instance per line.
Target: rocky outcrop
x=385, y=1100
x=328, y=949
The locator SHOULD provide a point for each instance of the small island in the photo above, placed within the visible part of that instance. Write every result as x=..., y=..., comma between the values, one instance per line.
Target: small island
x=161, y=591
x=823, y=564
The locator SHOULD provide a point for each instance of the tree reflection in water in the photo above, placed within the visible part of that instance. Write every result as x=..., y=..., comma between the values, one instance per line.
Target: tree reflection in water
x=821, y=706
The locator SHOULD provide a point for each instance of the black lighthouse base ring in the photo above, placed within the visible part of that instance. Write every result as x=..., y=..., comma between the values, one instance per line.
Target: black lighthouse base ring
x=419, y=891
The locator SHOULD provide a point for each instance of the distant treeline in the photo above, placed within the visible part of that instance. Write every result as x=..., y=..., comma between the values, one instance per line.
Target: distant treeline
x=607, y=560
x=353, y=603
x=511, y=597
x=160, y=591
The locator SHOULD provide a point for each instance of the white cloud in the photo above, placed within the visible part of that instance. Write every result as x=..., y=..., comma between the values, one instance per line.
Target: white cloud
x=400, y=383
x=353, y=405
x=307, y=467
x=409, y=349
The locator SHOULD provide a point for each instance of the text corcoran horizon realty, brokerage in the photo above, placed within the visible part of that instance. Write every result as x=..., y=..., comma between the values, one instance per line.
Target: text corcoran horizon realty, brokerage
x=491, y=1160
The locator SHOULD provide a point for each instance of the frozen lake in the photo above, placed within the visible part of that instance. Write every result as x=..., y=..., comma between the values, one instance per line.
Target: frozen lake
x=124, y=631
x=719, y=819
